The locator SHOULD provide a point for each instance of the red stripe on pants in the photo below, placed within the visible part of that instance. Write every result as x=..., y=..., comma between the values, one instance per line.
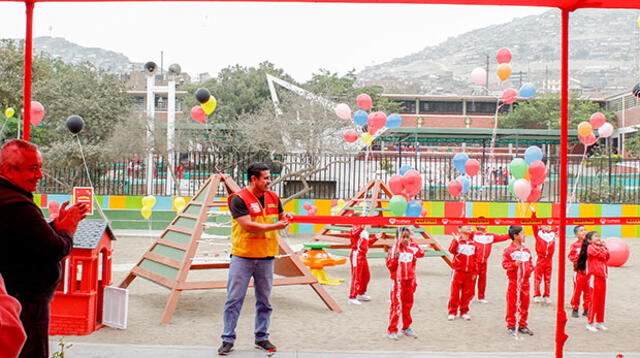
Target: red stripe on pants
x=580, y=287
x=407, y=290
x=462, y=290
x=512, y=303
x=482, y=279
x=542, y=272
x=360, y=276
x=598, y=287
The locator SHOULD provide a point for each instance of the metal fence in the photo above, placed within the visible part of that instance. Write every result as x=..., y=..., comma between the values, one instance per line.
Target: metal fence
x=595, y=179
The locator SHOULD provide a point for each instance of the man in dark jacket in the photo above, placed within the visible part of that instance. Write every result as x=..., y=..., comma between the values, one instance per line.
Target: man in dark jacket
x=31, y=248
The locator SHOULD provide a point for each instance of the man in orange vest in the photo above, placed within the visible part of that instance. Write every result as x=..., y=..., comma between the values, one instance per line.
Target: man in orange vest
x=257, y=216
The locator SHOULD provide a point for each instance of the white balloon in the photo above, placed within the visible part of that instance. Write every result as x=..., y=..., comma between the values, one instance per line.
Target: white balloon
x=479, y=76
x=606, y=130
x=343, y=111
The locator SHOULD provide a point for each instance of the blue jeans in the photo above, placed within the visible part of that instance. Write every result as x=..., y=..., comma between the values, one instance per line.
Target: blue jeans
x=240, y=272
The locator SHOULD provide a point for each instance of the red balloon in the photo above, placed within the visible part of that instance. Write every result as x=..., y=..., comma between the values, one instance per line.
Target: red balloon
x=618, y=251
x=54, y=209
x=538, y=180
x=306, y=206
x=197, y=113
x=509, y=96
x=312, y=211
x=455, y=188
x=406, y=195
x=350, y=136
x=537, y=169
x=424, y=212
x=377, y=119
x=588, y=140
x=412, y=182
x=472, y=167
x=597, y=120
x=37, y=112
x=364, y=101
x=536, y=193
x=372, y=130
x=395, y=184
x=504, y=55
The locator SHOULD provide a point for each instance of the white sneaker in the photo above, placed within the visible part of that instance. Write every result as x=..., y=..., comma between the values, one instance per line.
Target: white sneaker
x=451, y=317
x=483, y=301
x=537, y=299
x=466, y=317
x=601, y=326
x=547, y=300
x=353, y=301
x=363, y=298
x=591, y=328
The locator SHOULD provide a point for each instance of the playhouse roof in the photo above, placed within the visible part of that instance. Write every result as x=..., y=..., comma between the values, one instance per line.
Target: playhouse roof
x=90, y=232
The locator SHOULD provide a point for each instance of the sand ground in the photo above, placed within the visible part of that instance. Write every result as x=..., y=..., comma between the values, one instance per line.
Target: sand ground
x=302, y=322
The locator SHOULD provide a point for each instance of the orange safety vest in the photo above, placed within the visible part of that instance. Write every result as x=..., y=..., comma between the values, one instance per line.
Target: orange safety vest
x=250, y=244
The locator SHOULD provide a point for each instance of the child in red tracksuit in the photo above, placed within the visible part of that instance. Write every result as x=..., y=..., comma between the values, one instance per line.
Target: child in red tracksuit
x=485, y=241
x=593, y=257
x=545, y=246
x=517, y=261
x=401, y=263
x=580, y=277
x=360, y=243
x=465, y=269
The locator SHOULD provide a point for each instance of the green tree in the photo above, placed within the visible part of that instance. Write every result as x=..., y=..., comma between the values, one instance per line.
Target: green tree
x=543, y=112
x=632, y=146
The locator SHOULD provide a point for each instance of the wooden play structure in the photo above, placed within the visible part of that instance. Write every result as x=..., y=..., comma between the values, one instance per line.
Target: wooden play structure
x=174, y=254
x=374, y=194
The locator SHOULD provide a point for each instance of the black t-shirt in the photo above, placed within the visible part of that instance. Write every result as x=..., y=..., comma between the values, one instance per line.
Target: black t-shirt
x=238, y=208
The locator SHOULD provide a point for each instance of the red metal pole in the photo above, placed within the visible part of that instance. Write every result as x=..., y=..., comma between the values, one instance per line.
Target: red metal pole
x=561, y=315
x=28, y=52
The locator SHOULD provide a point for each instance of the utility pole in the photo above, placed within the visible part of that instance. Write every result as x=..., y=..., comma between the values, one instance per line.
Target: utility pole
x=487, y=84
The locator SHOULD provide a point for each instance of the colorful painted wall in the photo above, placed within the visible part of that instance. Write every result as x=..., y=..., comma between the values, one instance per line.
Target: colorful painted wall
x=124, y=211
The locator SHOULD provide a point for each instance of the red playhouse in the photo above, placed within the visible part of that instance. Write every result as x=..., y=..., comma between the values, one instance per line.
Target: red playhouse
x=77, y=305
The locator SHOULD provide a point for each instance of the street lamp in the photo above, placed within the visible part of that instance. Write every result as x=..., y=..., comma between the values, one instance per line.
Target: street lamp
x=150, y=69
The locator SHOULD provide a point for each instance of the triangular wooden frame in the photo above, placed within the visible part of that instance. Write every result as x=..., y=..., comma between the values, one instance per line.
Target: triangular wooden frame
x=377, y=188
x=169, y=259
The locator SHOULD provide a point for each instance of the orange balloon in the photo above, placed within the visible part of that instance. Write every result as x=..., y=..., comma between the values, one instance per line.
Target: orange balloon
x=504, y=71
x=584, y=128
x=527, y=175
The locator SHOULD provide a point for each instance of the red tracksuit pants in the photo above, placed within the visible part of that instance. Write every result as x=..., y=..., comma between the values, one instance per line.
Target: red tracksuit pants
x=515, y=304
x=402, y=292
x=462, y=290
x=580, y=287
x=542, y=272
x=360, y=276
x=598, y=287
x=482, y=279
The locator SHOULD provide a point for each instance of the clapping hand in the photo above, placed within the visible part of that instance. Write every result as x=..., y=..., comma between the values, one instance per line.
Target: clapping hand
x=68, y=219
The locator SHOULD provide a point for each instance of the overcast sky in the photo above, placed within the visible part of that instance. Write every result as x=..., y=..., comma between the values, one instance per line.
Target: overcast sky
x=301, y=38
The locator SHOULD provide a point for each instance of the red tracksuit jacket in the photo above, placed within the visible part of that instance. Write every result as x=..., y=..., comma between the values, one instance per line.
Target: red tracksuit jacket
x=515, y=253
x=465, y=255
x=545, y=241
x=574, y=252
x=360, y=241
x=485, y=241
x=406, y=260
x=597, y=257
x=12, y=334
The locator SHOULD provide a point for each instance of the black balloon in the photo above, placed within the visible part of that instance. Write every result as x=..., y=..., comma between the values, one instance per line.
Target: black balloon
x=636, y=90
x=202, y=95
x=75, y=123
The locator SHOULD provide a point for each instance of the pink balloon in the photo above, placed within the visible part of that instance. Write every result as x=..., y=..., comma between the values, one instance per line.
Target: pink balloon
x=509, y=96
x=538, y=180
x=343, y=111
x=423, y=213
x=364, y=101
x=54, y=209
x=618, y=251
x=588, y=140
x=411, y=184
x=455, y=188
x=536, y=193
x=350, y=136
x=597, y=120
x=395, y=184
x=606, y=130
x=197, y=113
x=537, y=169
x=503, y=55
x=472, y=167
x=313, y=211
x=479, y=76
x=522, y=189
x=306, y=206
x=37, y=112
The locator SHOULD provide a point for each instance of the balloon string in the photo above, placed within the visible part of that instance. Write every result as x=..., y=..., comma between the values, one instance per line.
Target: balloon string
x=572, y=198
x=86, y=168
x=494, y=133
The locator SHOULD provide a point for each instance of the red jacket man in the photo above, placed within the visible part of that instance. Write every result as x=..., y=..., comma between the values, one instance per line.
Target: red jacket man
x=518, y=263
x=580, y=278
x=485, y=241
x=465, y=269
x=360, y=275
x=545, y=247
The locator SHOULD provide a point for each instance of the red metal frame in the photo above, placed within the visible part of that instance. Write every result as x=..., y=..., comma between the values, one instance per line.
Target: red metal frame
x=565, y=5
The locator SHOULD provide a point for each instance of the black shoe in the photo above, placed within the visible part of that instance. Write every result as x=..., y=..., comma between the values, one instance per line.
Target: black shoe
x=575, y=314
x=225, y=348
x=585, y=313
x=265, y=346
x=511, y=331
x=525, y=330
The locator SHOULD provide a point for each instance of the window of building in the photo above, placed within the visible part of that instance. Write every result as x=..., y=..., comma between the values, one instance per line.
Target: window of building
x=407, y=106
x=474, y=107
x=441, y=107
